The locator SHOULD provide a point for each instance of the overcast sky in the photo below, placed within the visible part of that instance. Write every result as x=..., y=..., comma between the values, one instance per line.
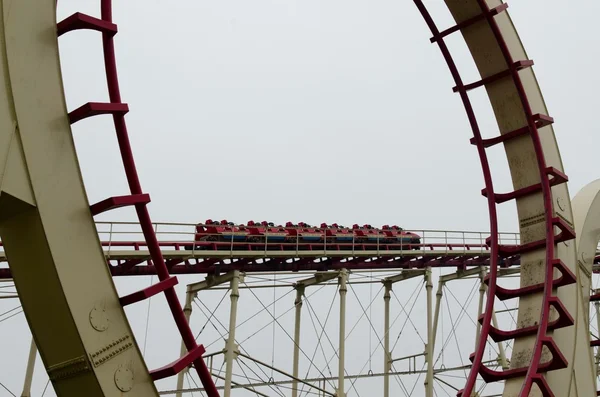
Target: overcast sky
x=315, y=111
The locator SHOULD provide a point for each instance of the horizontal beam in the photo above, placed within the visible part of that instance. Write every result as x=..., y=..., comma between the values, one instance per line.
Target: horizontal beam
x=193, y=265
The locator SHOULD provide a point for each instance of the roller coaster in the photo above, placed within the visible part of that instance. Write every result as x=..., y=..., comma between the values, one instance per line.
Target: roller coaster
x=213, y=235
x=43, y=204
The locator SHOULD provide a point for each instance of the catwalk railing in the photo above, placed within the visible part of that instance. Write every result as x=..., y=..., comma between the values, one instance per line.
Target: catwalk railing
x=127, y=253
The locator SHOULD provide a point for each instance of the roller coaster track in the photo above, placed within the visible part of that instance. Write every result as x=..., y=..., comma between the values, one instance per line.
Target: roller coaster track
x=43, y=205
x=438, y=248
x=137, y=198
x=518, y=105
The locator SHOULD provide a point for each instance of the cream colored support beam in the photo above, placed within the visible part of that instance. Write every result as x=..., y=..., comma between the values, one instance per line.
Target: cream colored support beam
x=343, y=279
x=597, y=307
x=300, y=286
x=387, y=356
x=429, y=348
x=29, y=372
x=187, y=312
x=212, y=281
x=231, y=347
x=191, y=293
x=295, y=369
x=502, y=361
x=71, y=306
x=482, y=290
x=440, y=292
x=438, y=305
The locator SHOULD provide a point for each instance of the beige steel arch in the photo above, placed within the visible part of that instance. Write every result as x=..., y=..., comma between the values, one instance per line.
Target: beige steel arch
x=65, y=287
x=543, y=207
x=586, y=209
x=67, y=293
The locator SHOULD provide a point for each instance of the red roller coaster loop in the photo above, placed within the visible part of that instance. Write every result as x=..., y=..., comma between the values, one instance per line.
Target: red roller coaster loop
x=137, y=198
x=532, y=373
x=489, y=187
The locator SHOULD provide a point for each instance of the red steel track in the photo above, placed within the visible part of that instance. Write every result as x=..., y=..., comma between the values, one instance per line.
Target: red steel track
x=137, y=198
x=132, y=258
x=532, y=373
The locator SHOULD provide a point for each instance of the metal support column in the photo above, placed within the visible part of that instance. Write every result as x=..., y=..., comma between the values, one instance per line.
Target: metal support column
x=501, y=354
x=482, y=290
x=597, y=306
x=230, y=347
x=298, y=305
x=187, y=312
x=343, y=278
x=438, y=306
x=29, y=371
x=387, y=357
x=502, y=361
x=429, y=346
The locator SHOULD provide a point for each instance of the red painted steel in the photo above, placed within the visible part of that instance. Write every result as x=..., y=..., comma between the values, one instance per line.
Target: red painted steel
x=178, y=365
x=137, y=198
x=532, y=374
x=541, y=120
x=112, y=203
x=82, y=21
x=567, y=277
x=91, y=109
x=148, y=292
x=142, y=210
x=468, y=22
x=487, y=176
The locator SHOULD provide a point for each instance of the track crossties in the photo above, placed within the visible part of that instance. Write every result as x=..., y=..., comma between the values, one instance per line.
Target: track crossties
x=137, y=198
x=541, y=197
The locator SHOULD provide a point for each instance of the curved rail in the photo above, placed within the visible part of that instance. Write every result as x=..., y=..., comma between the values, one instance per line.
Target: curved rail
x=137, y=198
x=84, y=338
x=489, y=187
x=500, y=75
x=586, y=209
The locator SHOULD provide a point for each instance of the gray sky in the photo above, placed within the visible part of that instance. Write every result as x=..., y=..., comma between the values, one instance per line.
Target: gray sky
x=315, y=111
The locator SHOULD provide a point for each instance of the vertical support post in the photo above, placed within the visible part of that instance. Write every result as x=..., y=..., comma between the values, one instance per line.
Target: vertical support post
x=482, y=290
x=429, y=346
x=298, y=305
x=501, y=354
x=29, y=371
x=187, y=312
x=597, y=306
x=386, y=340
x=438, y=306
x=230, y=347
x=343, y=278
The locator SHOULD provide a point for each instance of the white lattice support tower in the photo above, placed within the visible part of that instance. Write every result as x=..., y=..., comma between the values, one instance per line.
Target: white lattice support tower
x=388, y=283
x=300, y=287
